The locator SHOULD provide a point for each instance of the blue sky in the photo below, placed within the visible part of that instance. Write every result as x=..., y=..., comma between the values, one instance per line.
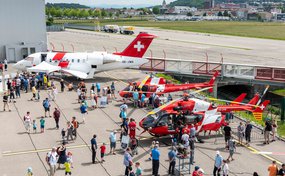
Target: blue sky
x=110, y=3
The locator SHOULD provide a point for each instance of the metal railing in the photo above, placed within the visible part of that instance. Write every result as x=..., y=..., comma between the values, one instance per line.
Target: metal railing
x=244, y=71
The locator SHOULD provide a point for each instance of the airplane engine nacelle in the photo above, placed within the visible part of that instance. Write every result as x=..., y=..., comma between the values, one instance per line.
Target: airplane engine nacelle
x=95, y=58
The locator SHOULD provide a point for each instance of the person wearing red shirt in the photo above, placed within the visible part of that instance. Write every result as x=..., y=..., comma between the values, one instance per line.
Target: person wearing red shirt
x=102, y=151
x=195, y=172
x=132, y=127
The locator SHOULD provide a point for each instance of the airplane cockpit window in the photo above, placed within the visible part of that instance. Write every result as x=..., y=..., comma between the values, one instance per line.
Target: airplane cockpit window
x=49, y=60
x=194, y=118
x=29, y=59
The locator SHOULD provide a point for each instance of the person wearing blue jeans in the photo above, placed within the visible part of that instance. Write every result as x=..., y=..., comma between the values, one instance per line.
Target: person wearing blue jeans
x=218, y=164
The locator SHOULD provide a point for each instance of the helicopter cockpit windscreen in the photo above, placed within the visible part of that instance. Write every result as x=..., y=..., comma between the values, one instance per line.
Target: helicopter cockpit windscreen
x=152, y=118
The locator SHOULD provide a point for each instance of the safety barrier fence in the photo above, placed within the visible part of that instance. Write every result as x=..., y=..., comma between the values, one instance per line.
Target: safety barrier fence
x=244, y=71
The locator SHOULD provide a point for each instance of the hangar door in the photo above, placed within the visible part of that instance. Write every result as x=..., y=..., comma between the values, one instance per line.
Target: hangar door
x=11, y=55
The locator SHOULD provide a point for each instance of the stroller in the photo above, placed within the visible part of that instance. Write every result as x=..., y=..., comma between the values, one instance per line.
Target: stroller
x=125, y=140
x=134, y=146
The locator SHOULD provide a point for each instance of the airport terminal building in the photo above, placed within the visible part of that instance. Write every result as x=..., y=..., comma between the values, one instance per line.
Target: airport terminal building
x=22, y=29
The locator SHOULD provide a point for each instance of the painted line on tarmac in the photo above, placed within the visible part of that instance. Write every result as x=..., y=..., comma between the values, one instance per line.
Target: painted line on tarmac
x=9, y=153
x=255, y=151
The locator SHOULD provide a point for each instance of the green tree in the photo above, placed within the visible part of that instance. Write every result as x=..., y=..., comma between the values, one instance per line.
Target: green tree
x=155, y=10
x=52, y=11
x=103, y=13
x=220, y=13
x=49, y=21
x=97, y=13
x=66, y=12
x=90, y=12
x=110, y=14
x=58, y=12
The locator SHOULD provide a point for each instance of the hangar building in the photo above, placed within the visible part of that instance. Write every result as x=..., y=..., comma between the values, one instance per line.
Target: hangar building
x=22, y=29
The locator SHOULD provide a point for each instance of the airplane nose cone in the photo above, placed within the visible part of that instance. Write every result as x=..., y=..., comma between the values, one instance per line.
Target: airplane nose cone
x=19, y=65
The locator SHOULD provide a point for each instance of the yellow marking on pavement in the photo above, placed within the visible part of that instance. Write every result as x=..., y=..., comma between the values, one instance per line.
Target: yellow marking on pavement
x=9, y=153
x=253, y=150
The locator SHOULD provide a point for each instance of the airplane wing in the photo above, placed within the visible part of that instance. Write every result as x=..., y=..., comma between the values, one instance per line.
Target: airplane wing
x=78, y=74
x=44, y=67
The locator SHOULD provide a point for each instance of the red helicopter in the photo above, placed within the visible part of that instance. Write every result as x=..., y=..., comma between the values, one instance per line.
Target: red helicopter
x=205, y=116
x=160, y=86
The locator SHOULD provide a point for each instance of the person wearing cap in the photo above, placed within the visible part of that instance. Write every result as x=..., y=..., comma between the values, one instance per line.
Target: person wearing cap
x=113, y=139
x=83, y=110
x=172, y=160
x=155, y=154
x=51, y=159
x=218, y=164
x=195, y=172
x=281, y=171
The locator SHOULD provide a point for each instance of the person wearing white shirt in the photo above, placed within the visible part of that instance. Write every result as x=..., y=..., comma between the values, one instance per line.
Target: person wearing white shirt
x=51, y=159
x=225, y=168
x=185, y=139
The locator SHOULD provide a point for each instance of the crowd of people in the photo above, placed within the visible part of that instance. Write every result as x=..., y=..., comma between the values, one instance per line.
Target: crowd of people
x=183, y=144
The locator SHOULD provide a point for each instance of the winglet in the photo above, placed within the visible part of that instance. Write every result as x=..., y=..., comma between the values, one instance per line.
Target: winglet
x=139, y=46
x=239, y=99
x=257, y=113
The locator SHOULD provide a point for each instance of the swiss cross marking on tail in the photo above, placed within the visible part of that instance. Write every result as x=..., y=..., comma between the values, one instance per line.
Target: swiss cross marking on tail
x=262, y=107
x=139, y=46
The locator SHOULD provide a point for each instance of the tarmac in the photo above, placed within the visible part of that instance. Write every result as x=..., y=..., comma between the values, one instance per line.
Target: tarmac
x=178, y=45
x=20, y=150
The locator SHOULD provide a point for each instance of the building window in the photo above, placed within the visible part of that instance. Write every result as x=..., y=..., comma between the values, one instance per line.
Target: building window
x=32, y=50
x=78, y=60
x=72, y=60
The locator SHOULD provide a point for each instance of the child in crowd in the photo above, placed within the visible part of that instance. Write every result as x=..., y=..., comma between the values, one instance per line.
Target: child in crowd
x=63, y=132
x=34, y=126
x=30, y=171
x=42, y=122
x=69, y=157
x=102, y=151
x=139, y=170
x=67, y=165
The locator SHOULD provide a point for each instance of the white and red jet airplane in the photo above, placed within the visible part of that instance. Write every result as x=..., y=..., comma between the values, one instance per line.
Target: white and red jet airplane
x=85, y=65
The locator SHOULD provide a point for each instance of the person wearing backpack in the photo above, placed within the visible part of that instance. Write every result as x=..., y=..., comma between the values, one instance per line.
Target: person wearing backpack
x=46, y=105
x=51, y=159
x=75, y=126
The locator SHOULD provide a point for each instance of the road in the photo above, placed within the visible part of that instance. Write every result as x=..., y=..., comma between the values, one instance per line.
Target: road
x=30, y=149
x=179, y=45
